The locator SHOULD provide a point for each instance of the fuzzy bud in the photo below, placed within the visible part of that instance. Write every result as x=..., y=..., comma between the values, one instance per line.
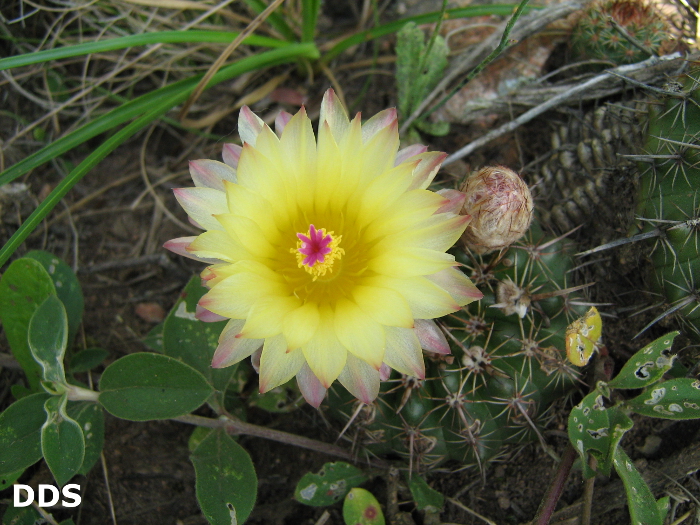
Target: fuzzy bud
x=500, y=204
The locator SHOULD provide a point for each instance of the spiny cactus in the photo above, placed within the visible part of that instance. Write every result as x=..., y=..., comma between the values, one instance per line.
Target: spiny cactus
x=506, y=368
x=608, y=28
x=669, y=198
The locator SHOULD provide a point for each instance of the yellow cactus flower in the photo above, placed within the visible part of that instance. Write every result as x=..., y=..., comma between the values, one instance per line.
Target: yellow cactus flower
x=327, y=256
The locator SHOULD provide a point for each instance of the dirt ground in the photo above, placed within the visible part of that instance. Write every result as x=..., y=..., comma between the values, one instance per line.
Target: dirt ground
x=111, y=229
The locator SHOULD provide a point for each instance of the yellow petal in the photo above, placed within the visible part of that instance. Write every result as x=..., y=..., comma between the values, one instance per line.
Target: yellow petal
x=300, y=325
x=385, y=306
x=310, y=387
x=458, y=285
x=381, y=194
x=359, y=333
x=266, y=316
x=231, y=348
x=262, y=176
x=201, y=204
x=333, y=113
x=298, y=156
x=410, y=209
x=410, y=262
x=328, y=182
x=277, y=366
x=218, y=245
x=234, y=296
x=360, y=379
x=437, y=232
x=403, y=352
x=249, y=234
x=246, y=203
x=427, y=300
x=324, y=352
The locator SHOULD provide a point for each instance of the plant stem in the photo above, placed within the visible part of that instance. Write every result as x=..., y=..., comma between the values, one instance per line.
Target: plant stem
x=236, y=426
x=549, y=502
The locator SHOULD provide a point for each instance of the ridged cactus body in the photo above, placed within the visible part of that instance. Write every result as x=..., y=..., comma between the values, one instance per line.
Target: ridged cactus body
x=507, y=366
x=669, y=199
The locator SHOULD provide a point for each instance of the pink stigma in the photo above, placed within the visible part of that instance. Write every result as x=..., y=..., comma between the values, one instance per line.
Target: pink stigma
x=316, y=246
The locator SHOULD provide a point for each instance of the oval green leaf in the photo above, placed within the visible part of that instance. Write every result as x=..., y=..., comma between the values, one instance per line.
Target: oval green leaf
x=20, y=433
x=672, y=399
x=23, y=287
x=647, y=366
x=62, y=441
x=362, y=508
x=426, y=497
x=48, y=336
x=145, y=386
x=226, y=482
x=67, y=287
x=91, y=419
x=642, y=505
x=589, y=428
x=329, y=485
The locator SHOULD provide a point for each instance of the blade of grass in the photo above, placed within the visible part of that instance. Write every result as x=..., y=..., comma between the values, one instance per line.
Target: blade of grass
x=309, y=12
x=143, y=103
x=275, y=20
x=393, y=27
x=144, y=39
x=157, y=108
x=112, y=44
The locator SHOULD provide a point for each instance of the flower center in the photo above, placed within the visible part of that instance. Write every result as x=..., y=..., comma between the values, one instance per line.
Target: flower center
x=317, y=250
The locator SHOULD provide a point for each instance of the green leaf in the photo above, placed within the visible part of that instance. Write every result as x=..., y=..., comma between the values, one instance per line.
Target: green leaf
x=23, y=287
x=67, y=288
x=145, y=386
x=21, y=516
x=672, y=399
x=197, y=436
x=91, y=419
x=642, y=505
x=7, y=480
x=154, y=338
x=589, y=428
x=362, y=508
x=226, y=481
x=620, y=423
x=62, y=441
x=425, y=496
x=647, y=366
x=193, y=341
x=48, y=335
x=20, y=433
x=331, y=484
x=87, y=359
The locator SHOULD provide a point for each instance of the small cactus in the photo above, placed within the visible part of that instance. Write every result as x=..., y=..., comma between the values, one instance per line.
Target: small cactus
x=507, y=366
x=608, y=28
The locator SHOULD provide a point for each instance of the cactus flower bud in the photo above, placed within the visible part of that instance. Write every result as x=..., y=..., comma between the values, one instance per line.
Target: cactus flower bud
x=500, y=205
